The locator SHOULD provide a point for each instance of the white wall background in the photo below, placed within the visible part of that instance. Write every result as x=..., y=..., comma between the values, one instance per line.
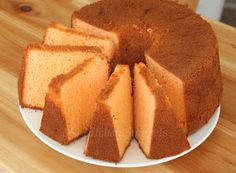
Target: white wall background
x=211, y=8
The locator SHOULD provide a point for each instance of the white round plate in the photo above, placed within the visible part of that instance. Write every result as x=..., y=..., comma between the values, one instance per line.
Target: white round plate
x=133, y=156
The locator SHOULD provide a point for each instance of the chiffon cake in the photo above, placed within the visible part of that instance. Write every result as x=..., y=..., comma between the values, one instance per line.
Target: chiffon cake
x=161, y=60
x=176, y=43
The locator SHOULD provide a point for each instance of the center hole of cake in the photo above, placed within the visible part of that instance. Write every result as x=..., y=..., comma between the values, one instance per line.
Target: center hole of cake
x=133, y=43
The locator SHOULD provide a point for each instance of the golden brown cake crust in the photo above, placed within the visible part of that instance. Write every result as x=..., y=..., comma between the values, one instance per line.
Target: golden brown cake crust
x=135, y=21
x=167, y=138
x=53, y=123
x=208, y=106
x=111, y=14
x=102, y=142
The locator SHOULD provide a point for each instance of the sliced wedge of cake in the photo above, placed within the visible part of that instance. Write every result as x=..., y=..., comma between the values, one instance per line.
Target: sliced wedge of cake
x=58, y=34
x=41, y=63
x=85, y=27
x=70, y=101
x=112, y=126
x=156, y=128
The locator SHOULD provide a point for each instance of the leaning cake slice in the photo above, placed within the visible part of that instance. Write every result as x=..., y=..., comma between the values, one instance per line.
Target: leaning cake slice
x=41, y=63
x=58, y=34
x=70, y=101
x=156, y=128
x=112, y=126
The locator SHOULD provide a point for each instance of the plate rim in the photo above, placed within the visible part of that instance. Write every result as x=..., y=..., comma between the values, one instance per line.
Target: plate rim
x=124, y=165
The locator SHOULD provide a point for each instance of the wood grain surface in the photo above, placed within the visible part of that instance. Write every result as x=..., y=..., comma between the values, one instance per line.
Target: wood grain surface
x=23, y=22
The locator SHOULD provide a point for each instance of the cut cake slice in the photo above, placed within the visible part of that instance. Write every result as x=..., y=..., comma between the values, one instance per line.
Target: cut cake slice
x=112, y=126
x=174, y=89
x=156, y=128
x=85, y=27
x=58, y=34
x=70, y=101
x=41, y=63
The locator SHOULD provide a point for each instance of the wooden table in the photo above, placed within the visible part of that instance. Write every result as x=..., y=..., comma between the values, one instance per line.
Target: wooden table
x=21, y=151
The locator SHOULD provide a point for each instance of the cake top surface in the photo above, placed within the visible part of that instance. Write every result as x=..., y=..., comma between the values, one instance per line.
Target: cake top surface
x=182, y=42
x=114, y=13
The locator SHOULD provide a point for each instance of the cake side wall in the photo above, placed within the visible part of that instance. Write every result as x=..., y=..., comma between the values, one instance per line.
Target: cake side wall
x=203, y=94
x=205, y=87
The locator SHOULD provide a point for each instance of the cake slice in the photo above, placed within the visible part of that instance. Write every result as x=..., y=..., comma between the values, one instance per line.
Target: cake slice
x=85, y=27
x=58, y=34
x=41, y=63
x=112, y=126
x=70, y=100
x=174, y=88
x=156, y=128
